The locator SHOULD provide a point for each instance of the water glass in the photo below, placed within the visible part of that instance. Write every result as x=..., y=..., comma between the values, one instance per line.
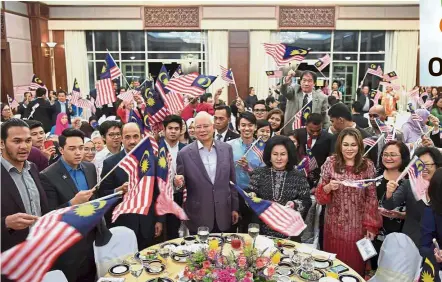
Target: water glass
x=253, y=230
x=203, y=234
x=136, y=270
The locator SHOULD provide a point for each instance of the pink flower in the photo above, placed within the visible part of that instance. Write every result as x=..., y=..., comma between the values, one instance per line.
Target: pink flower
x=201, y=272
x=270, y=271
x=247, y=280
x=212, y=254
x=260, y=262
x=249, y=274
x=206, y=264
x=232, y=270
x=242, y=261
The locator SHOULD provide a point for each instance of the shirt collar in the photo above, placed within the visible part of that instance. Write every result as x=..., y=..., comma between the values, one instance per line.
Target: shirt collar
x=9, y=166
x=69, y=168
x=309, y=94
x=171, y=147
x=200, y=145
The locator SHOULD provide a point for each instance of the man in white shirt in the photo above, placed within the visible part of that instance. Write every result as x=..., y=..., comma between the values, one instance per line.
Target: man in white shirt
x=111, y=132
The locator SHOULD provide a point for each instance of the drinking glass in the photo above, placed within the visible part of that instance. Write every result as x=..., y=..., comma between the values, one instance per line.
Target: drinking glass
x=203, y=234
x=253, y=230
x=235, y=242
x=136, y=270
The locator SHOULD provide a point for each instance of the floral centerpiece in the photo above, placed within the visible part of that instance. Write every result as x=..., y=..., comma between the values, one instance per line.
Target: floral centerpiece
x=247, y=265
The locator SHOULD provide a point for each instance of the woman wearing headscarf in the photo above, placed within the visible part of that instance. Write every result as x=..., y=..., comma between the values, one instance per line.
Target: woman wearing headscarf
x=412, y=129
x=61, y=124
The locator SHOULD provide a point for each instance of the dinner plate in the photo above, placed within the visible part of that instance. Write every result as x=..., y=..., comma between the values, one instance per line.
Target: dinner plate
x=154, y=267
x=178, y=258
x=322, y=264
x=285, y=270
x=171, y=246
x=152, y=255
x=119, y=269
x=305, y=276
x=160, y=279
x=286, y=252
x=348, y=278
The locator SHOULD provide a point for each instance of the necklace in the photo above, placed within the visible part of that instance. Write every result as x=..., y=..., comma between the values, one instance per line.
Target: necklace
x=278, y=184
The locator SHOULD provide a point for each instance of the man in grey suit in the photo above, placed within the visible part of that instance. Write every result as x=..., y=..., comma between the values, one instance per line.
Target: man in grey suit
x=299, y=95
x=206, y=168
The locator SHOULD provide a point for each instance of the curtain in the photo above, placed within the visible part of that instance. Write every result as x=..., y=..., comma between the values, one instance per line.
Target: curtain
x=401, y=56
x=217, y=54
x=260, y=62
x=76, y=60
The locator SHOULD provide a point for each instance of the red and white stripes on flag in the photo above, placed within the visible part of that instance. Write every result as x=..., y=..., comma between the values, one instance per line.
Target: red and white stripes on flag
x=105, y=92
x=391, y=135
x=378, y=72
x=13, y=104
x=325, y=61
x=75, y=97
x=388, y=84
x=297, y=123
x=277, y=51
x=226, y=75
x=369, y=141
x=47, y=239
x=428, y=104
x=86, y=104
x=183, y=85
x=173, y=100
x=128, y=96
x=139, y=195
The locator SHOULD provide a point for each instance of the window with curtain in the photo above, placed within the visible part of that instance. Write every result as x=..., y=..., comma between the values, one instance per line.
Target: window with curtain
x=139, y=53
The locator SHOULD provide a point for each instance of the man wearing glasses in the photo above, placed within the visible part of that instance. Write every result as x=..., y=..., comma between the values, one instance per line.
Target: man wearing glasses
x=300, y=95
x=260, y=110
x=111, y=132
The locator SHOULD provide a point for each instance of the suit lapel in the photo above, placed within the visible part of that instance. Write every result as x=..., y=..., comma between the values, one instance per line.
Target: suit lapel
x=13, y=189
x=219, y=160
x=66, y=178
x=195, y=155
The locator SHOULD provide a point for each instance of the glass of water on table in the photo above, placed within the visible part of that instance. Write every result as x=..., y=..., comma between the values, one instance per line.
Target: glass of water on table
x=203, y=234
x=136, y=270
x=253, y=230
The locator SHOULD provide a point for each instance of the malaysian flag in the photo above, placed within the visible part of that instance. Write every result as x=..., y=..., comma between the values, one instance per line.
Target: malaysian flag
x=370, y=141
x=193, y=84
x=105, y=89
x=364, y=183
x=139, y=165
x=428, y=104
x=258, y=148
x=283, y=53
x=301, y=116
x=390, y=76
x=156, y=109
x=13, y=104
x=323, y=62
x=388, y=84
x=76, y=94
x=128, y=96
x=279, y=218
x=382, y=126
x=375, y=70
x=303, y=166
x=419, y=185
x=414, y=93
x=165, y=203
x=178, y=72
x=51, y=236
x=312, y=163
x=112, y=67
x=227, y=75
x=375, y=95
x=391, y=135
x=37, y=83
x=144, y=126
x=274, y=74
x=173, y=100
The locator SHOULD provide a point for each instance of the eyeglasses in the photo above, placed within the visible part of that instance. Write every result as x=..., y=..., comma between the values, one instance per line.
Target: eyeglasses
x=90, y=150
x=392, y=155
x=429, y=165
x=114, y=135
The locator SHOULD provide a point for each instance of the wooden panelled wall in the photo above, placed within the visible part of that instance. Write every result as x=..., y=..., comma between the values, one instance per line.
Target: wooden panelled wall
x=6, y=76
x=60, y=61
x=239, y=59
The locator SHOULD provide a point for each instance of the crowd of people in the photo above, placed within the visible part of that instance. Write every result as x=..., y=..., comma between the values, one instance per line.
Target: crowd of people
x=51, y=159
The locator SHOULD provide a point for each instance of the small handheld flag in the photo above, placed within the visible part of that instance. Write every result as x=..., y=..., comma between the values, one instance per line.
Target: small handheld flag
x=284, y=54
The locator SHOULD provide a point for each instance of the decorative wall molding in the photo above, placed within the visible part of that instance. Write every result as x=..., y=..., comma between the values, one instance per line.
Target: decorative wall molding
x=3, y=26
x=306, y=17
x=171, y=17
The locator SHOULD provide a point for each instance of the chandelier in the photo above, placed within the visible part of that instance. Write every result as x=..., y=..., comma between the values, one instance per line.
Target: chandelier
x=187, y=36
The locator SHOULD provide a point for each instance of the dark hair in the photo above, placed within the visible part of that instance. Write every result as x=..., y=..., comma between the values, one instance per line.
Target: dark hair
x=291, y=133
x=279, y=112
x=40, y=92
x=433, y=152
x=69, y=132
x=226, y=108
x=263, y=123
x=172, y=118
x=289, y=146
x=61, y=92
x=340, y=110
x=250, y=89
x=435, y=103
x=108, y=124
x=332, y=100
x=91, y=118
x=360, y=162
x=337, y=82
x=234, y=108
x=357, y=106
x=315, y=118
x=186, y=133
x=435, y=191
x=32, y=123
x=13, y=122
x=24, y=95
x=403, y=150
x=203, y=98
x=260, y=102
x=2, y=106
x=307, y=72
x=270, y=100
x=247, y=116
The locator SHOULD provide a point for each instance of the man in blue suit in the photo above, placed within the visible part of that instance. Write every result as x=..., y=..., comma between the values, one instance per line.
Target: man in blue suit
x=146, y=227
x=172, y=131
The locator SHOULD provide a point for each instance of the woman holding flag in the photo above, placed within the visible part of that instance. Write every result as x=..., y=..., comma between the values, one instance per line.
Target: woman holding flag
x=352, y=213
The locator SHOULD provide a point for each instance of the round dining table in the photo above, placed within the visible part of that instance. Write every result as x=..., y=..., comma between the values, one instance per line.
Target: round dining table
x=174, y=270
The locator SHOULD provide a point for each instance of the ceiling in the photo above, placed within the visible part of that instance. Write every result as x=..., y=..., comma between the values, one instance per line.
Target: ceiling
x=230, y=2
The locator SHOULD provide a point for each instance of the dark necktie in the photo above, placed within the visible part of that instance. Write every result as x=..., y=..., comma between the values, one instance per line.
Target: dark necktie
x=305, y=100
x=219, y=137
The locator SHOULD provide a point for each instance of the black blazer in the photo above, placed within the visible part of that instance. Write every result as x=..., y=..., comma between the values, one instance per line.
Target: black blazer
x=60, y=189
x=363, y=99
x=230, y=135
x=144, y=224
x=12, y=204
x=56, y=109
x=43, y=113
x=360, y=120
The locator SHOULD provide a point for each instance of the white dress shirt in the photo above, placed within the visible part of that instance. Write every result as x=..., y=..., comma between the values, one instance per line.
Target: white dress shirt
x=173, y=153
x=223, y=134
x=209, y=159
x=309, y=96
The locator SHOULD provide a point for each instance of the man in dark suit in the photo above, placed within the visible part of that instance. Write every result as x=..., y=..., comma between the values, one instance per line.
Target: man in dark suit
x=61, y=105
x=340, y=117
x=364, y=99
x=222, y=118
x=206, y=168
x=357, y=116
x=69, y=181
x=146, y=227
x=317, y=140
x=40, y=109
x=172, y=131
x=23, y=199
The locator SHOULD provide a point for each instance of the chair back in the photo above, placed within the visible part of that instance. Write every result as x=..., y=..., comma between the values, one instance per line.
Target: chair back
x=55, y=276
